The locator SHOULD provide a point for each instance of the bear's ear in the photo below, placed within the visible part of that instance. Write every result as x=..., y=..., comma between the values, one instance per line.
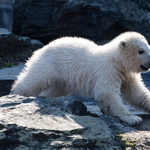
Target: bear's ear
x=122, y=45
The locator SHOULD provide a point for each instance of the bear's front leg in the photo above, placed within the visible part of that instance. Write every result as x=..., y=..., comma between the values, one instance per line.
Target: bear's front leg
x=136, y=93
x=111, y=104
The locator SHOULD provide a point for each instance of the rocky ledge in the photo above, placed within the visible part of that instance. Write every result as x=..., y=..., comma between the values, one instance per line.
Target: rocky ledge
x=64, y=123
x=15, y=49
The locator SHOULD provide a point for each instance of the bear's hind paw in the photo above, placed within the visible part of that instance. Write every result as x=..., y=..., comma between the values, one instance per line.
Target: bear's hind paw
x=131, y=119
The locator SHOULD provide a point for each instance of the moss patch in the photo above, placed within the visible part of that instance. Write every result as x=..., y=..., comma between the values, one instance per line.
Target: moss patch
x=125, y=143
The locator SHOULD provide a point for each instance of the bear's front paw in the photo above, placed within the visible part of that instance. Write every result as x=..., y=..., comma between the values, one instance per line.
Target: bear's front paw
x=131, y=119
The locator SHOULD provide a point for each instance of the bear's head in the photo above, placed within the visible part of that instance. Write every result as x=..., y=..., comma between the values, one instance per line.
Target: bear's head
x=135, y=52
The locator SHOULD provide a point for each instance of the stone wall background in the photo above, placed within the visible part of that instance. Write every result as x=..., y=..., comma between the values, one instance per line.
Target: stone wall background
x=98, y=20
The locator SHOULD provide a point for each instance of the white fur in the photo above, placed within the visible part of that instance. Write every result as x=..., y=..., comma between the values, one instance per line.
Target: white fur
x=79, y=66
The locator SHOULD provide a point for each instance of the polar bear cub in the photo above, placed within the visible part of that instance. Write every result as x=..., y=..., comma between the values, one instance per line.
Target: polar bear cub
x=110, y=72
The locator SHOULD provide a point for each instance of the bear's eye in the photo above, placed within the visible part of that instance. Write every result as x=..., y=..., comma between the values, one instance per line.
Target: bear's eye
x=141, y=51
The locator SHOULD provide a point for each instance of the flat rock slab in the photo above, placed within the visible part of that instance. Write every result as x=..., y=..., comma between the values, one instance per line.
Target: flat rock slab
x=30, y=123
x=11, y=73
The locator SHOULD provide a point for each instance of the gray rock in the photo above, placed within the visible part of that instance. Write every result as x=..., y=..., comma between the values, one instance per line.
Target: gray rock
x=50, y=123
x=96, y=20
x=88, y=19
x=5, y=86
x=45, y=124
x=11, y=44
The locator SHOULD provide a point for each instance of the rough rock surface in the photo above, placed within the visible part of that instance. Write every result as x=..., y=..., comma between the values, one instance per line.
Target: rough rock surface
x=63, y=123
x=97, y=20
x=15, y=48
x=10, y=43
x=45, y=124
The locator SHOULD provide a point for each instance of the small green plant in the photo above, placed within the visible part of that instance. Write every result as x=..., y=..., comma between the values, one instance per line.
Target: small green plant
x=9, y=64
x=124, y=142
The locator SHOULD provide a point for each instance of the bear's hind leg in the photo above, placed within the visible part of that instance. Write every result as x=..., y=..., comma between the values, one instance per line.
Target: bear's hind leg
x=54, y=91
x=29, y=84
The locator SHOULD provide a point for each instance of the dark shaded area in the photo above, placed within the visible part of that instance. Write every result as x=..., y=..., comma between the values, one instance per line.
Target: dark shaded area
x=15, y=49
x=41, y=136
x=5, y=86
x=12, y=44
x=78, y=108
x=146, y=78
x=84, y=143
x=96, y=20
x=12, y=139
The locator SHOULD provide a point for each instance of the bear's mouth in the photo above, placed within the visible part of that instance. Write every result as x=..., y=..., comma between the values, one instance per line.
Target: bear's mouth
x=144, y=68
